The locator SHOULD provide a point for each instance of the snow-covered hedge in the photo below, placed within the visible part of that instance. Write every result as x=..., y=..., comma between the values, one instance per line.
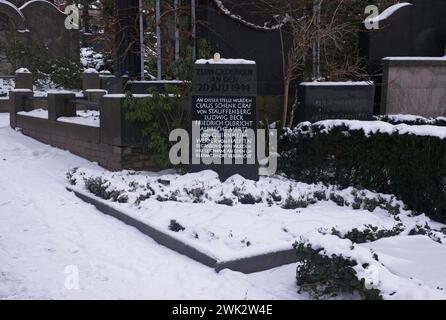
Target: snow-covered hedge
x=408, y=161
x=412, y=120
x=206, y=187
x=330, y=266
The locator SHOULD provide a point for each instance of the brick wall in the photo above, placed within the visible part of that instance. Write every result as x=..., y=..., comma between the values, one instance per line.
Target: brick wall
x=85, y=142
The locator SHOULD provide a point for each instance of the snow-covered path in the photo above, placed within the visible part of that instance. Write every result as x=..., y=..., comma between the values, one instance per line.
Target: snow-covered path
x=44, y=229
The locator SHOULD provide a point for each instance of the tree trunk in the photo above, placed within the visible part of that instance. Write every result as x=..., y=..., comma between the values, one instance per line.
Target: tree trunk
x=87, y=27
x=285, y=101
x=294, y=108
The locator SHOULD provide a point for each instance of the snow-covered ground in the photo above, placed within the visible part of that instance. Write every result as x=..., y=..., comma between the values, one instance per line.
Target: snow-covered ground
x=44, y=230
x=47, y=233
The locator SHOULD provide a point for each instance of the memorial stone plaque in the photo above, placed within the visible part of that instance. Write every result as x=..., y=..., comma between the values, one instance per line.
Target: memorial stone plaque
x=335, y=100
x=224, y=115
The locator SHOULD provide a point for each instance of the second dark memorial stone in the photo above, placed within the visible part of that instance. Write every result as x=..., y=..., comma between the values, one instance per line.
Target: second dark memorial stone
x=335, y=100
x=224, y=97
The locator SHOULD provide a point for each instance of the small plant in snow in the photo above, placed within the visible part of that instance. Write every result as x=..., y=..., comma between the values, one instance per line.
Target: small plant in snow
x=70, y=176
x=369, y=233
x=292, y=204
x=245, y=198
x=426, y=230
x=175, y=226
x=338, y=199
x=102, y=189
x=226, y=201
x=196, y=194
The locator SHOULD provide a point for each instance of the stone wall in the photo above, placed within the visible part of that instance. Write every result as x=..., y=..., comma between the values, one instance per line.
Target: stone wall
x=414, y=86
x=98, y=144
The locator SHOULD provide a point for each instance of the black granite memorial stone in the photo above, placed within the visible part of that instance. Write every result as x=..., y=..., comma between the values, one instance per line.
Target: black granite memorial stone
x=225, y=98
x=353, y=101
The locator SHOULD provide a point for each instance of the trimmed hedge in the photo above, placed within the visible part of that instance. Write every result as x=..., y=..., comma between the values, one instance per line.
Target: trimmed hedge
x=412, y=167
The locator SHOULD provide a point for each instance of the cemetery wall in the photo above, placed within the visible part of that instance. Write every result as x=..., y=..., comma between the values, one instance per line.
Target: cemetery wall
x=93, y=143
x=83, y=141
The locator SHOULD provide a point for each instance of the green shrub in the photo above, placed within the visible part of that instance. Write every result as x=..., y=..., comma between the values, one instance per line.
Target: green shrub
x=292, y=203
x=175, y=226
x=158, y=116
x=440, y=121
x=100, y=188
x=323, y=276
x=226, y=201
x=164, y=112
x=46, y=68
x=369, y=234
x=426, y=230
x=411, y=167
x=70, y=176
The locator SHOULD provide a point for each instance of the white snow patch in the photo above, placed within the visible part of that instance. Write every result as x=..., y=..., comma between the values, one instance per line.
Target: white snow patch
x=90, y=70
x=415, y=58
x=224, y=61
x=372, y=127
x=266, y=27
x=338, y=83
x=89, y=118
x=22, y=70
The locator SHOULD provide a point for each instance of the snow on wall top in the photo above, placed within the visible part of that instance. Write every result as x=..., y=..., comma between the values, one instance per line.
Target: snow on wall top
x=22, y=70
x=90, y=70
x=224, y=61
x=266, y=27
x=373, y=127
x=415, y=58
x=338, y=83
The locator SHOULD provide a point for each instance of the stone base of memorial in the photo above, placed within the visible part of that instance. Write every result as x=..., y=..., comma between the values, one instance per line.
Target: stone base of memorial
x=224, y=118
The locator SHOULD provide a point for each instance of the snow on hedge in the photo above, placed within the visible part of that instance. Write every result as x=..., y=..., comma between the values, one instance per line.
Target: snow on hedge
x=392, y=283
x=369, y=128
x=410, y=119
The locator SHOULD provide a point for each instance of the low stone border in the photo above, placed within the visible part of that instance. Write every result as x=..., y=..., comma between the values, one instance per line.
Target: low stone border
x=245, y=265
